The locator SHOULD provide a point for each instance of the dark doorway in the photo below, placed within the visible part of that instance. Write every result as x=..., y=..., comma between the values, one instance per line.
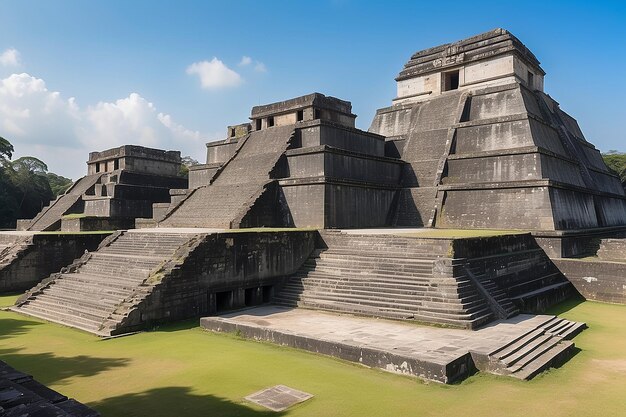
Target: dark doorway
x=224, y=301
x=451, y=80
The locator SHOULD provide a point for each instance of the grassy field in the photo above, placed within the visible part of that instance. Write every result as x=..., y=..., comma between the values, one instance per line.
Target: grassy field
x=183, y=371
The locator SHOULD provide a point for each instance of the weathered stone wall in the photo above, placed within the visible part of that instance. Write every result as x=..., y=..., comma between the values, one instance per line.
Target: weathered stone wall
x=226, y=271
x=612, y=250
x=47, y=253
x=339, y=164
x=596, y=280
x=86, y=224
x=324, y=133
x=106, y=207
x=220, y=151
x=488, y=59
x=200, y=175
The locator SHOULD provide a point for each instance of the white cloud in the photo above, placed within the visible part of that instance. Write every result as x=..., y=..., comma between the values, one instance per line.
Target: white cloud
x=10, y=58
x=245, y=60
x=260, y=67
x=41, y=123
x=214, y=74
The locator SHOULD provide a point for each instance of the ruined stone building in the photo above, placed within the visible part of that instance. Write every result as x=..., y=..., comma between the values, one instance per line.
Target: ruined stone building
x=486, y=147
x=121, y=184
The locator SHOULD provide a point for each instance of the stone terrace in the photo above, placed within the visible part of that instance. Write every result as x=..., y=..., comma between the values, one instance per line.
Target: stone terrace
x=520, y=347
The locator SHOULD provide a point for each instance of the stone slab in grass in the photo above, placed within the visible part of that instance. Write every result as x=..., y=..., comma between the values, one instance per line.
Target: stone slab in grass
x=278, y=397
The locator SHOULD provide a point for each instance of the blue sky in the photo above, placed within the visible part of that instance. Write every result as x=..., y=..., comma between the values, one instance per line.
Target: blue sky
x=78, y=76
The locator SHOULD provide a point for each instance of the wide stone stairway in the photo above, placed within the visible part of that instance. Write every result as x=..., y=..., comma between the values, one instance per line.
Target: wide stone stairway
x=385, y=276
x=237, y=186
x=50, y=216
x=99, y=290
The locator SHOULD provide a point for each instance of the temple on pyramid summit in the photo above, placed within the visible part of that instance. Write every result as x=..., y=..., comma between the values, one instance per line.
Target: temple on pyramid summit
x=473, y=203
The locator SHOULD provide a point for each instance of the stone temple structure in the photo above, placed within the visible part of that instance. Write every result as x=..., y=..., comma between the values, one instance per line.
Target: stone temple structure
x=470, y=142
x=300, y=163
x=486, y=147
x=121, y=184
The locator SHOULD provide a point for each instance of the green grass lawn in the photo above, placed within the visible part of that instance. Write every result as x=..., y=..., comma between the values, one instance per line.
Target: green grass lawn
x=181, y=370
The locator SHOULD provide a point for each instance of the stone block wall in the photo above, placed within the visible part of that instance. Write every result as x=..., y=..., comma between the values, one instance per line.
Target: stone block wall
x=225, y=271
x=596, y=280
x=43, y=255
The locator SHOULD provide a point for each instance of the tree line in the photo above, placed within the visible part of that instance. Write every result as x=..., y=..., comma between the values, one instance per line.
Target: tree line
x=26, y=186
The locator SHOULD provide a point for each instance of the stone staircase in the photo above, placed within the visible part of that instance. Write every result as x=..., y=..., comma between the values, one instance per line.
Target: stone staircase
x=236, y=186
x=11, y=247
x=92, y=294
x=546, y=346
x=426, y=150
x=384, y=276
x=526, y=280
x=50, y=216
x=498, y=295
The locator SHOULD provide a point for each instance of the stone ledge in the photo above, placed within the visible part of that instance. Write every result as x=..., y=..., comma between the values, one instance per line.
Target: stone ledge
x=338, y=181
x=526, y=184
x=332, y=149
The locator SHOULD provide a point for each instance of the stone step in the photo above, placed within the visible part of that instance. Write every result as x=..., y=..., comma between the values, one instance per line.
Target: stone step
x=69, y=309
x=84, y=304
x=539, y=282
x=432, y=303
x=516, y=344
x=405, y=256
x=89, y=278
x=388, y=266
x=112, y=259
x=553, y=357
x=375, y=280
x=397, y=314
x=538, y=292
x=447, y=285
x=113, y=272
x=345, y=271
x=529, y=353
x=78, y=322
x=78, y=292
x=88, y=292
x=537, y=349
x=389, y=292
x=154, y=253
x=445, y=311
x=563, y=328
x=419, y=291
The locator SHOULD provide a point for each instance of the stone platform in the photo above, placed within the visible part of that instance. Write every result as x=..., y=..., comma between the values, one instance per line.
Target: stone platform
x=437, y=354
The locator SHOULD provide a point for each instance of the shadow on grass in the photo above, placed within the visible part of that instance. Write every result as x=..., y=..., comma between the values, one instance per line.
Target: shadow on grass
x=174, y=401
x=49, y=368
x=566, y=305
x=176, y=326
x=10, y=327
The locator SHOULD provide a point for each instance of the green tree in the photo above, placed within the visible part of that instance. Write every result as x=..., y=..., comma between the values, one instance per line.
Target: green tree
x=187, y=161
x=616, y=162
x=24, y=186
x=29, y=176
x=58, y=184
x=6, y=150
